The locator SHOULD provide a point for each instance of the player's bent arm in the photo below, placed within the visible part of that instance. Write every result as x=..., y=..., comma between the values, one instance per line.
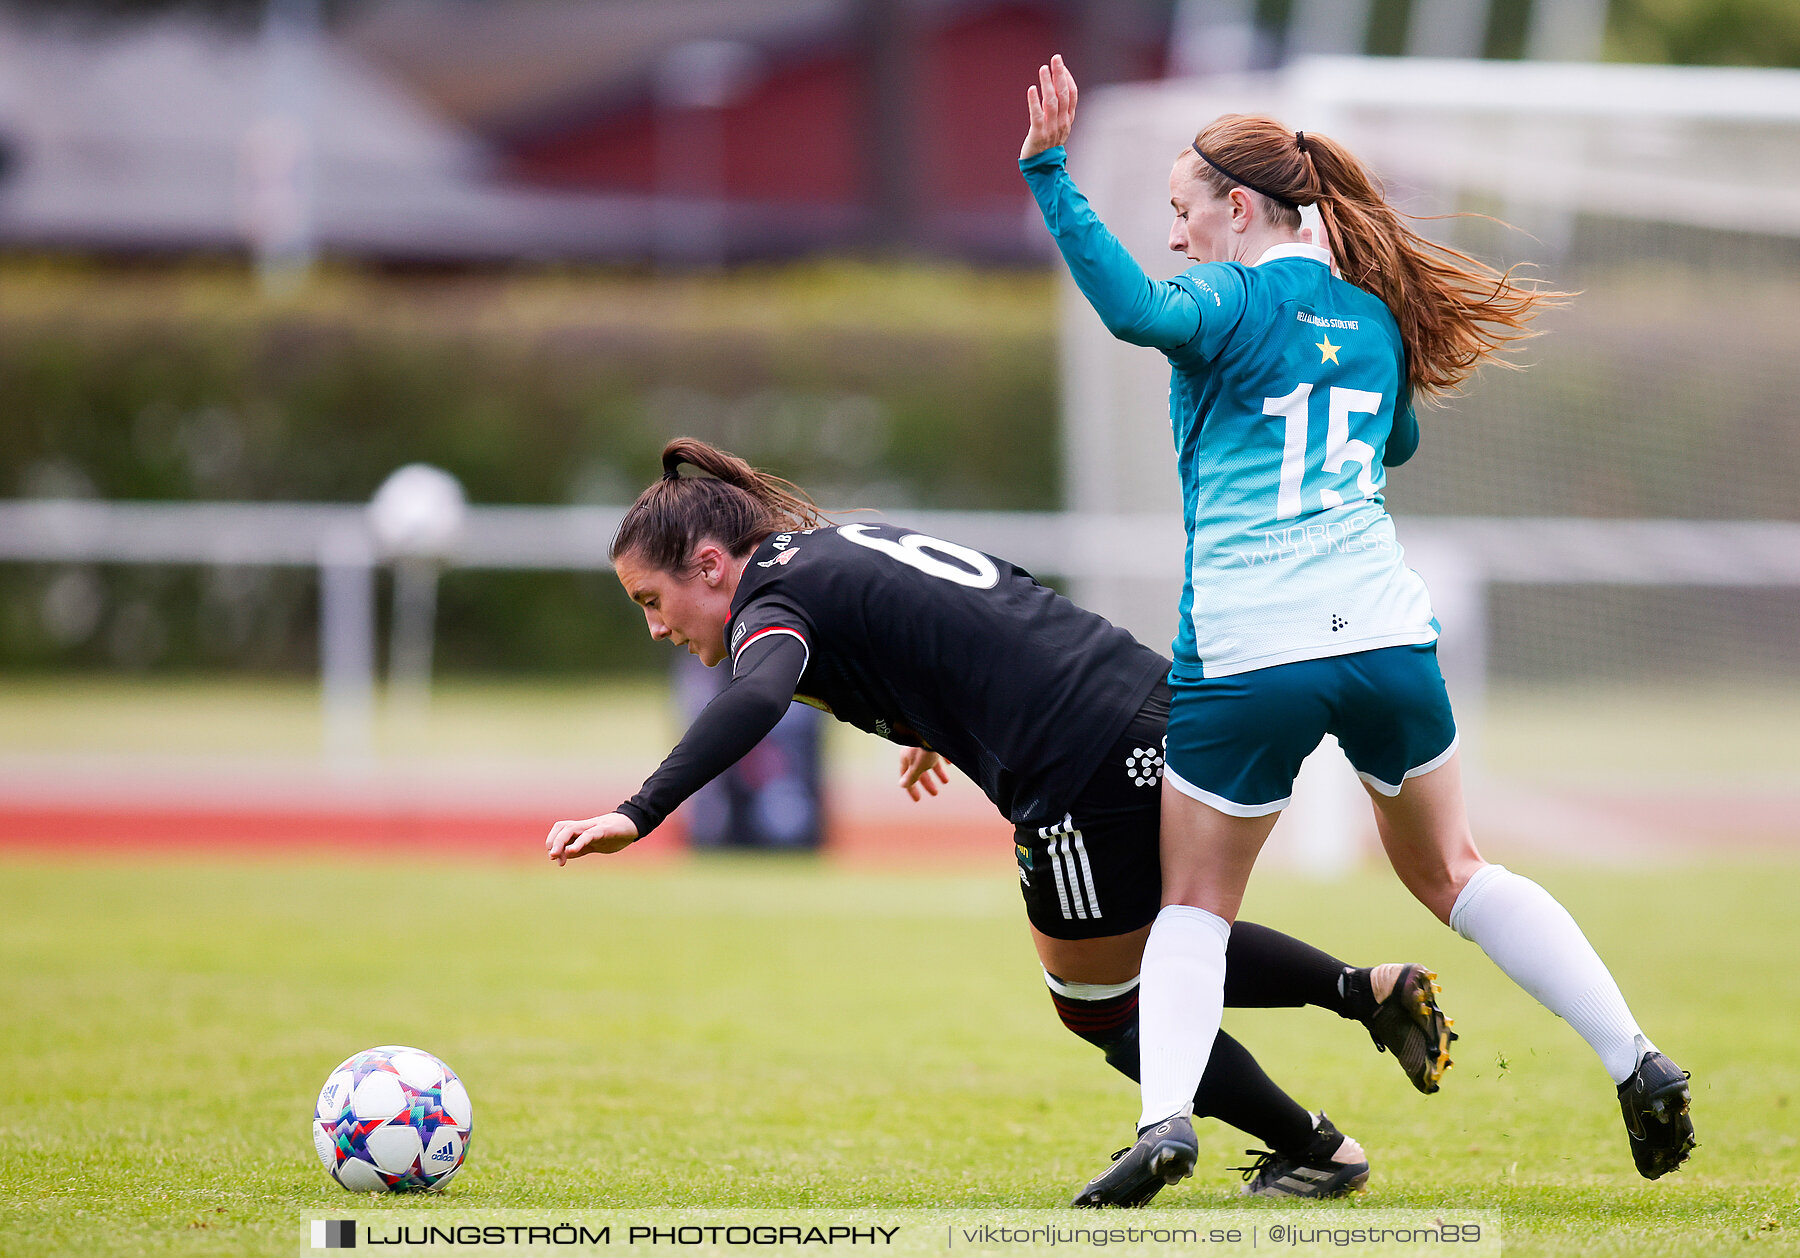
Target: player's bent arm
x=1134, y=307
x=740, y=716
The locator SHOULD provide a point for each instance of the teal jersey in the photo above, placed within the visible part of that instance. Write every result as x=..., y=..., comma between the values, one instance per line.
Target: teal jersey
x=1288, y=401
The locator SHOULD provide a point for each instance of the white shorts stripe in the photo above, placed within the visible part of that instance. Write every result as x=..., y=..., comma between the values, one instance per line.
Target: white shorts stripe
x=1068, y=858
x=1062, y=890
x=1087, y=873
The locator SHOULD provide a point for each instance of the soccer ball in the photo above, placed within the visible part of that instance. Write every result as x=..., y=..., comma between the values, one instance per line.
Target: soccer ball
x=392, y=1119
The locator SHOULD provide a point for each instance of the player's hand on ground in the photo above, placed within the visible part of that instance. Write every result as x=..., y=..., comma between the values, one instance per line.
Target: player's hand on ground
x=1052, y=106
x=921, y=768
x=569, y=839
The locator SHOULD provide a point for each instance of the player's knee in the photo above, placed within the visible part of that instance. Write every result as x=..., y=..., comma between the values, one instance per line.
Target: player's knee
x=1106, y=1016
x=1437, y=890
x=1437, y=881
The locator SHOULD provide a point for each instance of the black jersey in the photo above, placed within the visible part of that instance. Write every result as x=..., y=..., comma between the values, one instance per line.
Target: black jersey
x=932, y=644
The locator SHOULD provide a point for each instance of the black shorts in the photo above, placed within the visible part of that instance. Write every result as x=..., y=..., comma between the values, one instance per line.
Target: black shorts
x=1098, y=871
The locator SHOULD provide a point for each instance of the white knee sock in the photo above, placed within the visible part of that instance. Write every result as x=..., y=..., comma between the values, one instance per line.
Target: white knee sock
x=1180, y=1000
x=1534, y=940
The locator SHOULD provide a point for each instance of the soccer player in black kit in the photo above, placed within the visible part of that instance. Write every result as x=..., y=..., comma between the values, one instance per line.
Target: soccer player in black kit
x=1054, y=712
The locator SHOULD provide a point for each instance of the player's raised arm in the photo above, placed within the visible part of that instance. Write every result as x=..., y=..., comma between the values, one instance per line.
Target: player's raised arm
x=1051, y=104
x=1133, y=307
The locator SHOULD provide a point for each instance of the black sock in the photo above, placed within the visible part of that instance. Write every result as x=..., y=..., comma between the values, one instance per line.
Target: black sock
x=1235, y=1090
x=1265, y=969
x=1358, y=990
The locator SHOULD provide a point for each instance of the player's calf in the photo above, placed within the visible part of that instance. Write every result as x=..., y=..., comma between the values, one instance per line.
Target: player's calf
x=1104, y=1016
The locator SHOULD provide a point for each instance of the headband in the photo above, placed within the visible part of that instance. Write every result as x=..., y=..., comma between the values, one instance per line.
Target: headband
x=1239, y=179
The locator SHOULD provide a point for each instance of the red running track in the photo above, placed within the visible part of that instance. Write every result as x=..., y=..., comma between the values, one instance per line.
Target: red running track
x=246, y=830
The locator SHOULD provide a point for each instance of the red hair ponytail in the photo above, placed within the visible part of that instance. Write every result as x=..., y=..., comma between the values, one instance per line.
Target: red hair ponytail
x=1455, y=312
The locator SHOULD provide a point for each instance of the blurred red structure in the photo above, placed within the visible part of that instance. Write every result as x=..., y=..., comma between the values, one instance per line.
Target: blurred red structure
x=797, y=134
x=797, y=125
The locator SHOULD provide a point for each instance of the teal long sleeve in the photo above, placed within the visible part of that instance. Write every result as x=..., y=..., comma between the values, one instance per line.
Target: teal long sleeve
x=1134, y=307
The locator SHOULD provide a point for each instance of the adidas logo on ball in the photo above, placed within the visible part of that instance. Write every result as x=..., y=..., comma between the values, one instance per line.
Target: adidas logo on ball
x=392, y=1119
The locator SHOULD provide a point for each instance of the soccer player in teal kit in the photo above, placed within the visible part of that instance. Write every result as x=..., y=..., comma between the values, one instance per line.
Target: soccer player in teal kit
x=1294, y=361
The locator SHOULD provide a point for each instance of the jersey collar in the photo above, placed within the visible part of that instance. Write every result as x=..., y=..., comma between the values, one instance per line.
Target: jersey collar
x=1298, y=249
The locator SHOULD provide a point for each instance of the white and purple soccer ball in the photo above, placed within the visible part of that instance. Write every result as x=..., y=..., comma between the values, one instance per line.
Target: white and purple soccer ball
x=392, y=1119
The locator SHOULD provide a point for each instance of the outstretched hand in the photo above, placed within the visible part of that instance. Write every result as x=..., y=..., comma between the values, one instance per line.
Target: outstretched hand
x=610, y=833
x=918, y=768
x=1052, y=106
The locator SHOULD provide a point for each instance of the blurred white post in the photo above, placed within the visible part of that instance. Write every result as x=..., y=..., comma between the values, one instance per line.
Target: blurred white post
x=694, y=84
x=1566, y=30
x=1459, y=598
x=411, y=637
x=417, y=517
x=1560, y=30
x=1447, y=28
x=347, y=646
x=279, y=167
x=1214, y=37
x=1320, y=834
x=1326, y=27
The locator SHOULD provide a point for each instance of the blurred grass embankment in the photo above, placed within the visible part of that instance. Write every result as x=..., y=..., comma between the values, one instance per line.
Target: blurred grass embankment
x=892, y=385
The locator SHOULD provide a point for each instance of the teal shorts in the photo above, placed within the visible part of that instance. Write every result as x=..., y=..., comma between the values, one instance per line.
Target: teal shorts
x=1236, y=742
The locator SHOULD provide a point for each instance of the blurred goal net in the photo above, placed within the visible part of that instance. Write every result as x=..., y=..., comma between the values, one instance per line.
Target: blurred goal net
x=1667, y=391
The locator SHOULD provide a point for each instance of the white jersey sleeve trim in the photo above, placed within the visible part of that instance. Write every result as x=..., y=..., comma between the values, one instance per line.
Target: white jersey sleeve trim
x=1226, y=806
x=763, y=633
x=1392, y=789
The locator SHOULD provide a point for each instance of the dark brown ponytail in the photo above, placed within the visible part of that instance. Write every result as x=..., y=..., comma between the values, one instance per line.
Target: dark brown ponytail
x=733, y=504
x=1454, y=311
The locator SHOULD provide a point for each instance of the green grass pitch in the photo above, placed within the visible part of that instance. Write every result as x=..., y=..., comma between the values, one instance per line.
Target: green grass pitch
x=743, y=1033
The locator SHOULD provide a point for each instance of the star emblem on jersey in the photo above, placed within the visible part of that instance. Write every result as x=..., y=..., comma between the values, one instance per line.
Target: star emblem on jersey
x=1145, y=765
x=1327, y=351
